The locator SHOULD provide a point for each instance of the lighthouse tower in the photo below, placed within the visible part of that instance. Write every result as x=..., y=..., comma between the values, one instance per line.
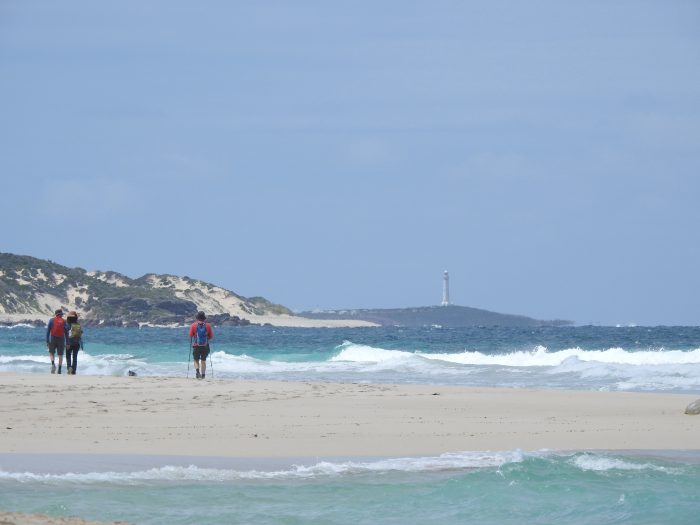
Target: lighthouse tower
x=445, y=288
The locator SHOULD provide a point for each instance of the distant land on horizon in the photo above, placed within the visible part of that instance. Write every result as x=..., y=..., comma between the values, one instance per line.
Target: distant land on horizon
x=447, y=316
x=31, y=289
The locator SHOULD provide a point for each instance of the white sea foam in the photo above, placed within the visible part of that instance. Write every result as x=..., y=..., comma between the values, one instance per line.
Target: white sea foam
x=458, y=462
x=443, y=463
x=367, y=354
x=611, y=369
x=603, y=464
x=5, y=359
x=540, y=356
x=100, y=364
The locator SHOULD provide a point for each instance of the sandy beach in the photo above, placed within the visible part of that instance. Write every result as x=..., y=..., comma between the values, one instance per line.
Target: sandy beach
x=58, y=423
x=257, y=419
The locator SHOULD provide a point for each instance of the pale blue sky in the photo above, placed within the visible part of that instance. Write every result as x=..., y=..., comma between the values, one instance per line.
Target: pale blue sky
x=329, y=155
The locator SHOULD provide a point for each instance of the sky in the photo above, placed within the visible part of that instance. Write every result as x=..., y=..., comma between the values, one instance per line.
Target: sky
x=330, y=155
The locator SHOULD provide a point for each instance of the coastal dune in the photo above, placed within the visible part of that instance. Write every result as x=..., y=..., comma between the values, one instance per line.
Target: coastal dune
x=267, y=419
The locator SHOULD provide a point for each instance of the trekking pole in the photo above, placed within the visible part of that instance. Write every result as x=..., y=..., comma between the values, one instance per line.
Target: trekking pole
x=211, y=363
x=188, y=359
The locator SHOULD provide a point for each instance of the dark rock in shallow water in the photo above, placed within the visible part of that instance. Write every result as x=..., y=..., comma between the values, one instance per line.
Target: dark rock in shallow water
x=227, y=320
x=169, y=320
x=693, y=409
x=32, y=322
x=218, y=319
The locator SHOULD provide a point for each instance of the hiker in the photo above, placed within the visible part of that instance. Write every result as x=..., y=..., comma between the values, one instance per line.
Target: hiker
x=75, y=342
x=56, y=335
x=200, y=335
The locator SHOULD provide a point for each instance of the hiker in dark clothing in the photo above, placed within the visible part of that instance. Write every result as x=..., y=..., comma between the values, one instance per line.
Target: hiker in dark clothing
x=75, y=342
x=200, y=335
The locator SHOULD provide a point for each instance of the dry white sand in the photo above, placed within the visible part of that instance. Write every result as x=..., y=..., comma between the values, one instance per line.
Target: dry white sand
x=295, y=321
x=247, y=419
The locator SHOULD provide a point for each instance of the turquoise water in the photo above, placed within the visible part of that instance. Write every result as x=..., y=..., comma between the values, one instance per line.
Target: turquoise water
x=589, y=358
x=582, y=488
x=484, y=487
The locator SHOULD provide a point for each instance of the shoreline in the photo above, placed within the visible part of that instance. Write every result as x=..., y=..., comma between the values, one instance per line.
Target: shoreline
x=58, y=464
x=21, y=518
x=103, y=415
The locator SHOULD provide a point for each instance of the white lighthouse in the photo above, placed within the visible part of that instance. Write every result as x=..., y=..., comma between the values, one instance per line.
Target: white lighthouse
x=445, y=288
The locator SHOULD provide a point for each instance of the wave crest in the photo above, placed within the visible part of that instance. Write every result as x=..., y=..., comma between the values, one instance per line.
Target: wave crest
x=539, y=356
x=603, y=464
x=444, y=462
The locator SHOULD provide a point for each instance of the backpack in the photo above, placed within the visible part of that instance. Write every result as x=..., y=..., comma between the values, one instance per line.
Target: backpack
x=58, y=327
x=76, y=332
x=201, y=339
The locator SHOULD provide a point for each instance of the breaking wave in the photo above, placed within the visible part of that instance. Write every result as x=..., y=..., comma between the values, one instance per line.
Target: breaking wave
x=613, y=368
x=442, y=463
x=539, y=356
x=449, y=463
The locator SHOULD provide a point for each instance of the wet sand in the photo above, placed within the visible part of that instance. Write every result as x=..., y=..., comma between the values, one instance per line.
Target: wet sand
x=18, y=518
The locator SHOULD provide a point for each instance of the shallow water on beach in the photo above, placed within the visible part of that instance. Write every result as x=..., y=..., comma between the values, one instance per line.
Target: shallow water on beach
x=505, y=488
x=664, y=359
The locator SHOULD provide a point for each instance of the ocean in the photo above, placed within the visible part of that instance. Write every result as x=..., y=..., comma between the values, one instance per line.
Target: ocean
x=460, y=486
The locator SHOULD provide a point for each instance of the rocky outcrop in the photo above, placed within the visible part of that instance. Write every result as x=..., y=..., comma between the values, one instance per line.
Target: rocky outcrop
x=693, y=409
x=227, y=320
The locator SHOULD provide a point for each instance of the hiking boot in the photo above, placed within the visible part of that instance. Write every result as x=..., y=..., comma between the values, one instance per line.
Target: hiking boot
x=53, y=368
x=199, y=376
x=202, y=376
x=59, y=369
x=69, y=371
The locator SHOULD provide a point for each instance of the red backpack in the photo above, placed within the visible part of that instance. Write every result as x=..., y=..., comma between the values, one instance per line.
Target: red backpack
x=58, y=328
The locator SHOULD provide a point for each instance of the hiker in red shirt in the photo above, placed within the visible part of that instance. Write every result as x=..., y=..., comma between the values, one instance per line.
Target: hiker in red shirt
x=56, y=336
x=200, y=335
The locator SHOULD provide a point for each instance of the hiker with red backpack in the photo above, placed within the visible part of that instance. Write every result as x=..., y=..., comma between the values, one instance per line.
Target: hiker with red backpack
x=200, y=335
x=56, y=336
